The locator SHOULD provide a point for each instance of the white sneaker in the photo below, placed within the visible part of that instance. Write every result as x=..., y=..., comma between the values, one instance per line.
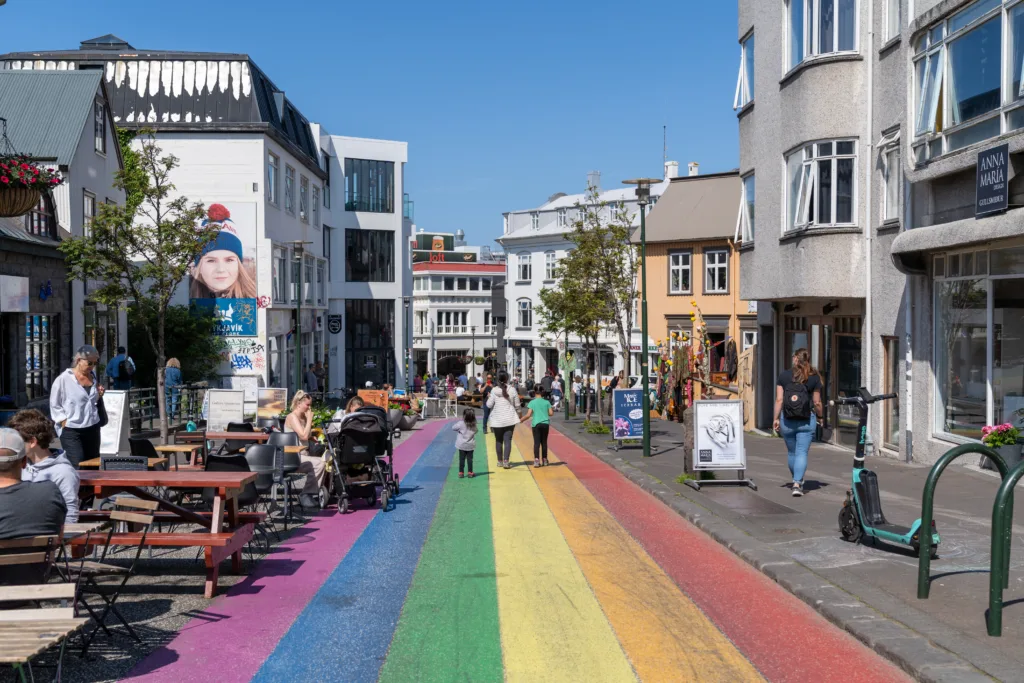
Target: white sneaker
x=798, y=489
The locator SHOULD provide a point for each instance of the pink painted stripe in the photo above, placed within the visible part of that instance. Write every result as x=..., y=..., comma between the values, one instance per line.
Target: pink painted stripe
x=231, y=638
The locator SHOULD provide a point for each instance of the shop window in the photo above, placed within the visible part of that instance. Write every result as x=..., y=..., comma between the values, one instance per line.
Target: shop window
x=961, y=370
x=42, y=354
x=891, y=385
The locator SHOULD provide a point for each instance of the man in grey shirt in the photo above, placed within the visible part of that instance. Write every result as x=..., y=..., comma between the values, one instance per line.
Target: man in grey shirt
x=27, y=508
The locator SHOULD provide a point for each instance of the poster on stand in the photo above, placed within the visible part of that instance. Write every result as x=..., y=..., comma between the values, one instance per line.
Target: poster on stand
x=718, y=435
x=628, y=413
x=374, y=398
x=114, y=435
x=271, y=402
x=224, y=406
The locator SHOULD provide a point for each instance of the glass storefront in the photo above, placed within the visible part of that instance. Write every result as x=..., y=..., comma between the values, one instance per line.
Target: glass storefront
x=369, y=342
x=979, y=340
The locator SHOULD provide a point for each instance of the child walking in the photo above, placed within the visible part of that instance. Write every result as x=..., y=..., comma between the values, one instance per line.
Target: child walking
x=466, y=440
x=539, y=412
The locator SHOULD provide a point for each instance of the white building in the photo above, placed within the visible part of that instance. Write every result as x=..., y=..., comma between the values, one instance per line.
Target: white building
x=452, y=305
x=370, y=282
x=535, y=241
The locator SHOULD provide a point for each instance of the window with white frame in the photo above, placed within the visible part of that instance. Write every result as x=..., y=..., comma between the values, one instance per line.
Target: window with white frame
x=820, y=27
x=273, y=171
x=749, y=338
x=716, y=271
x=315, y=206
x=820, y=185
x=525, y=313
x=892, y=19
x=304, y=199
x=534, y=220
x=967, y=83
x=679, y=281
x=562, y=218
x=525, y=273
x=280, y=274
x=289, y=189
x=745, y=80
x=745, y=218
x=892, y=176
x=549, y=265
x=88, y=212
x=99, y=113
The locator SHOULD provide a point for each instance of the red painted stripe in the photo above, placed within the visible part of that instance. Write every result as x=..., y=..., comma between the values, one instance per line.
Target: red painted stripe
x=783, y=637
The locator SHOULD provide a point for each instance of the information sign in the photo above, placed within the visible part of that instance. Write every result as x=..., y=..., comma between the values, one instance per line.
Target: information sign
x=628, y=413
x=718, y=435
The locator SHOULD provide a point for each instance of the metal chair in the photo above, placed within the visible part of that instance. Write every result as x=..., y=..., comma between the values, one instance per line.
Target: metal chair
x=285, y=466
x=236, y=445
x=247, y=498
x=261, y=459
x=145, y=448
x=265, y=423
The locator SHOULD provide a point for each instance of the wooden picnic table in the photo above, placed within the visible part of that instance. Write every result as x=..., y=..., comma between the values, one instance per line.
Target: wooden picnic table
x=258, y=437
x=193, y=448
x=219, y=543
x=95, y=463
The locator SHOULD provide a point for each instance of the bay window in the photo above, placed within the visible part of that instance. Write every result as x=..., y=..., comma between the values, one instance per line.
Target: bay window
x=821, y=185
x=820, y=27
x=967, y=78
x=745, y=80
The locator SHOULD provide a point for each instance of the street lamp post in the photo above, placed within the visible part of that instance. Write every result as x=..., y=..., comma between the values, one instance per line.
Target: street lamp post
x=472, y=351
x=299, y=248
x=643, y=195
x=408, y=353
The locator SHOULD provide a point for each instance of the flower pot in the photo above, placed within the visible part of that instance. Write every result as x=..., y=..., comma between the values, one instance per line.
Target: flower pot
x=17, y=201
x=408, y=422
x=394, y=417
x=1011, y=456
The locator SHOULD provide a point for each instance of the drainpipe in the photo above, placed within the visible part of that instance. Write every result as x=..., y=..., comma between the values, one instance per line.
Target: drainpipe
x=868, y=332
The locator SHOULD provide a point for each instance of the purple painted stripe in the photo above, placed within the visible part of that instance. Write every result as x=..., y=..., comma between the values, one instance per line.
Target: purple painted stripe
x=239, y=630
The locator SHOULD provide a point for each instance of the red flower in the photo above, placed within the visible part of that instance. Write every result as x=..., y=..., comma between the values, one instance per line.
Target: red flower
x=4, y=180
x=25, y=166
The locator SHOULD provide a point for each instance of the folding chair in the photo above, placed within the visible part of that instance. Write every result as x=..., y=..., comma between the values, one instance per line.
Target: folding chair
x=31, y=631
x=90, y=573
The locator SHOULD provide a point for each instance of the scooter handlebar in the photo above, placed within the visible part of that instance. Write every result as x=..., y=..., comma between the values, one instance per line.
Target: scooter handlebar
x=865, y=397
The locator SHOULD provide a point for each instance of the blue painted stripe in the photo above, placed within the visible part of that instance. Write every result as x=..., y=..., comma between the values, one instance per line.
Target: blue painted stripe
x=346, y=629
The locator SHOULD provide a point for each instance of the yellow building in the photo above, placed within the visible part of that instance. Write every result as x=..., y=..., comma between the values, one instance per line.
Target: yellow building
x=691, y=257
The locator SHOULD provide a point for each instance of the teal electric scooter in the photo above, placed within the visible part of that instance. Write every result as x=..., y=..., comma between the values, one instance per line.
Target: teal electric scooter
x=861, y=514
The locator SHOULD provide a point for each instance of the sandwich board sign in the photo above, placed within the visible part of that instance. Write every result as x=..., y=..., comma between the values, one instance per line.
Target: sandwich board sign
x=114, y=435
x=718, y=442
x=225, y=405
x=628, y=414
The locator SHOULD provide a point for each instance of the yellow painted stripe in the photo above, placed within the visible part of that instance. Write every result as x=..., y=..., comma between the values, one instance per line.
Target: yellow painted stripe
x=665, y=636
x=552, y=628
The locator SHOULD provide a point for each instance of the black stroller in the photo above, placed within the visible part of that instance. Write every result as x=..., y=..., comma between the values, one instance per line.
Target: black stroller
x=387, y=445
x=360, y=460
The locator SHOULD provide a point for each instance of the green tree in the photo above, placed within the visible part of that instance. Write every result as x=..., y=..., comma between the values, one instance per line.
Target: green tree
x=141, y=252
x=194, y=342
x=134, y=177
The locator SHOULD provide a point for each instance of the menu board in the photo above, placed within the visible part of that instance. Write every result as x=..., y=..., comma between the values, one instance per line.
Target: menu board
x=374, y=398
x=271, y=402
x=114, y=435
x=224, y=406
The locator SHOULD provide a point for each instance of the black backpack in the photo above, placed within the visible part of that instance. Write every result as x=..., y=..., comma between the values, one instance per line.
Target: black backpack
x=796, y=401
x=124, y=369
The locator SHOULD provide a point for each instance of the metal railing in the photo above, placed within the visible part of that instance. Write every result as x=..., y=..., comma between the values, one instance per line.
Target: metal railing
x=185, y=406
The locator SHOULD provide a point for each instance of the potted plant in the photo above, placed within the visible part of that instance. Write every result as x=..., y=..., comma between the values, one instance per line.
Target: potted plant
x=409, y=420
x=1003, y=439
x=22, y=182
x=395, y=415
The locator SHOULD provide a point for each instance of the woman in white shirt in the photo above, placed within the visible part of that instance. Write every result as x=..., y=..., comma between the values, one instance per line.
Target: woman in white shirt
x=503, y=416
x=74, y=407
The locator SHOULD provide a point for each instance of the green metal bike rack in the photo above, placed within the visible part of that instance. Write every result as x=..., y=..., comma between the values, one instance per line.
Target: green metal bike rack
x=924, y=562
x=999, y=571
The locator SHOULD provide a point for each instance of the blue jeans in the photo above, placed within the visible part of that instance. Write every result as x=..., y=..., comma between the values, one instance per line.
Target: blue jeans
x=798, y=435
x=487, y=414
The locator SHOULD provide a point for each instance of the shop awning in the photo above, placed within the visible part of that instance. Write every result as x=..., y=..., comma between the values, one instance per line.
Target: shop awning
x=911, y=248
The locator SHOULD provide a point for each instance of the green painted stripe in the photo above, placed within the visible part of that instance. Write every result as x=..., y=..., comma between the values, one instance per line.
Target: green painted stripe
x=448, y=630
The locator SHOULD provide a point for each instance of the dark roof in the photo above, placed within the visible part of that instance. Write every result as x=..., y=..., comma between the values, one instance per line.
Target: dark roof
x=702, y=207
x=14, y=228
x=183, y=91
x=47, y=111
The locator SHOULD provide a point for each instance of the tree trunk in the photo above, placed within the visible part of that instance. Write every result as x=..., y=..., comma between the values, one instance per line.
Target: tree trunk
x=161, y=362
x=586, y=369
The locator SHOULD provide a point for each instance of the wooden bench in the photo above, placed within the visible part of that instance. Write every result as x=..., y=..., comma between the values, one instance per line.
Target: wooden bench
x=161, y=516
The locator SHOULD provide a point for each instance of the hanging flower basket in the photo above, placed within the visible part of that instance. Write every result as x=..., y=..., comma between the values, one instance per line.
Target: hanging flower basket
x=22, y=182
x=17, y=201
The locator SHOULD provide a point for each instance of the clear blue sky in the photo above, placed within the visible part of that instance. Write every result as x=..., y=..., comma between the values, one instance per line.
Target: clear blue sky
x=502, y=104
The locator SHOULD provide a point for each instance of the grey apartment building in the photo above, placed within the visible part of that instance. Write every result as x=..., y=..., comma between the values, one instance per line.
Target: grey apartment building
x=861, y=124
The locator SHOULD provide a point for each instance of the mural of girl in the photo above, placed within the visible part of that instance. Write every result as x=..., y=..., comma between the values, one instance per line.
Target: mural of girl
x=222, y=271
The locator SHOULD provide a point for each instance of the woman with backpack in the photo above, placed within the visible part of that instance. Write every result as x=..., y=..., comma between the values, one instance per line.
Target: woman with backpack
x=503, y=404
x=797, y=410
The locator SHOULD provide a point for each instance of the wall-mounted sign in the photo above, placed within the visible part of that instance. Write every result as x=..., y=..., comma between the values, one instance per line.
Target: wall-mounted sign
x=13, y=294
x=520, y=344
x=334, y=323
x=443, y=257
x=993, y=181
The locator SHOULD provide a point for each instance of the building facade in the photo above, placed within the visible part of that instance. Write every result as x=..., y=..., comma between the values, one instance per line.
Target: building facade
x=691, y=259
x=452, y=305
x=535, y=240
x=62, y=118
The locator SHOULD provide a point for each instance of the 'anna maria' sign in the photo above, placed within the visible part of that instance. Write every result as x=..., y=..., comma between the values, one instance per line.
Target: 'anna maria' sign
x=993, y=188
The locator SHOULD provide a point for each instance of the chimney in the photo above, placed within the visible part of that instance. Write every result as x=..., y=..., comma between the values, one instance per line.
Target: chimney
x=594, y=179
x=671, y=170
x=694, y=168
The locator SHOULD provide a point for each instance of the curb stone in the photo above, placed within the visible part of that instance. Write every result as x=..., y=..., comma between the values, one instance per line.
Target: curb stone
x=906, y=648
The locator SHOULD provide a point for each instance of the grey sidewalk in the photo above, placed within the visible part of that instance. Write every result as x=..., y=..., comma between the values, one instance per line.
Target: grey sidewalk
x=870, y=591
